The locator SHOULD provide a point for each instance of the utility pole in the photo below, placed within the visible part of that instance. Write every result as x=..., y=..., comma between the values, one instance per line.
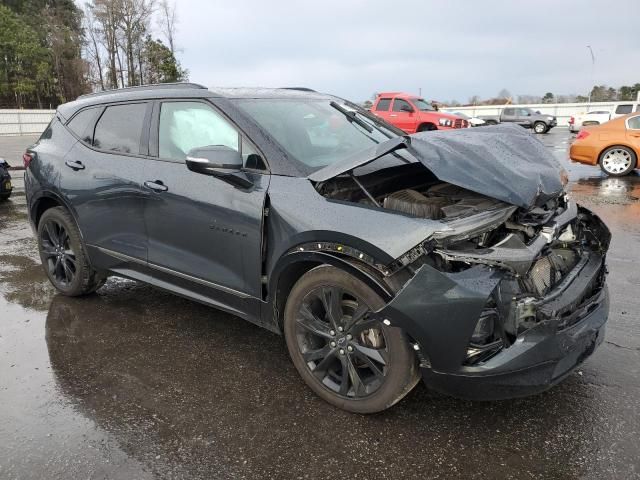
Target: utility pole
x=593, y=72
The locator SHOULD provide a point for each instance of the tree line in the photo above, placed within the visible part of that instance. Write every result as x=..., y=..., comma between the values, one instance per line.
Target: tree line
x=599, y=93
x=52, y=51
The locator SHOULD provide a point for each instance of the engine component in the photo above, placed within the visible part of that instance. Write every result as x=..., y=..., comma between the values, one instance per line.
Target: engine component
x=414, y=203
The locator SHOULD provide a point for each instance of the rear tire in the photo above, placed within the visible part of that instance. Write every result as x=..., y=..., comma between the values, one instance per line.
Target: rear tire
x=349, y=360
x=540, y=127
x=618, y=161
x=63, y=256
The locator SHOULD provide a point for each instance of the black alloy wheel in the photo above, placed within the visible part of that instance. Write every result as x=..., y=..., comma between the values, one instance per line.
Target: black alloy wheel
x=60, y=258
x=345, y=350
x=63, y=255
x=348, y=356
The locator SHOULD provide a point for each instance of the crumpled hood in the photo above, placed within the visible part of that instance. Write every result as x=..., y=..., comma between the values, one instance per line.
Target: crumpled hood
x=504, y=162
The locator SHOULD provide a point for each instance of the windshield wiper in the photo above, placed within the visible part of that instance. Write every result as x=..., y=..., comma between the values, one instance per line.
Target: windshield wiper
x=351, y=116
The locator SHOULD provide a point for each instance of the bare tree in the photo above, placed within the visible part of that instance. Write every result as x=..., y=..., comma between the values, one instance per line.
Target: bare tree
x=106, y=13
x=167, y=23
x=93, y=50
x=134, y=21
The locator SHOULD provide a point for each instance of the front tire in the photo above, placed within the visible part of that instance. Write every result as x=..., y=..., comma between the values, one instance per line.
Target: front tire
x=63, y=256
x=618, y=161
x=540, y=127
x=427, y=127
x=350, y=360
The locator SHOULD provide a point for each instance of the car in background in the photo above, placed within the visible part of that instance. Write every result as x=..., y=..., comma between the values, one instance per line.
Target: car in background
x=614, y=145
x=595, y=117
x=473, y=121
x=523, y=116
x=625, y=108
x=413, y=114
x=5, y=180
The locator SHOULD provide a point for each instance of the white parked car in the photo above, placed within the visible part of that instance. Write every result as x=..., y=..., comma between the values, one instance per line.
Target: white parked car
x=595, y=117
x=473, y=121
x=623, y=108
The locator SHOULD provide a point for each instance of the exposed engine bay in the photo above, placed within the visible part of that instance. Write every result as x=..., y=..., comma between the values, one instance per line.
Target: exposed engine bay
x=410, y=190
x=540, y=249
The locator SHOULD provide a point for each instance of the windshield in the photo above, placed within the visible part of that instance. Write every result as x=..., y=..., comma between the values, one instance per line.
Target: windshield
x=422, y=105
x=315, y=132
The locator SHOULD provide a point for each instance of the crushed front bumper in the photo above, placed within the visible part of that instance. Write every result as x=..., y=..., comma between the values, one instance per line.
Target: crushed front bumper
x=439, y=311
x=540, y=358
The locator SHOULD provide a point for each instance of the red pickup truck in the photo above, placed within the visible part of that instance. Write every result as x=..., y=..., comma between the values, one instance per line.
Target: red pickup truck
x=412, y=114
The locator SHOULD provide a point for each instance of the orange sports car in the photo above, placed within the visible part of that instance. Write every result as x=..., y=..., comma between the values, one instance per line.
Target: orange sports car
x=614, y=145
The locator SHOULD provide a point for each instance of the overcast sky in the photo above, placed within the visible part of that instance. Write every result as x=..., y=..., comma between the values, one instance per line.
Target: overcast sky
x=449, y=49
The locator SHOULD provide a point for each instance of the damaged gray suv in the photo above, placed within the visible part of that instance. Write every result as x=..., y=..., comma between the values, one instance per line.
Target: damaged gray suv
x=455, y=257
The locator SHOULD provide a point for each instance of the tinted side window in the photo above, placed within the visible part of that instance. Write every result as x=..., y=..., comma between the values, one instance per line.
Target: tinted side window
x=120, y=128
x=187, y=125
x=624, y=109
x=82, y=124
x=398, y=104
x=638, y=108
x=509, y=111
x=383, y=105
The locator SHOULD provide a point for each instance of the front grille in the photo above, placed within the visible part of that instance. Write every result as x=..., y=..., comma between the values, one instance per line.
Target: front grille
x=460, y=123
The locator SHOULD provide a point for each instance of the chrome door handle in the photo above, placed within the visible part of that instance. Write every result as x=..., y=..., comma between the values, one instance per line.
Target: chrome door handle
x=74, y=165
x=156, y=185
x=393, y=115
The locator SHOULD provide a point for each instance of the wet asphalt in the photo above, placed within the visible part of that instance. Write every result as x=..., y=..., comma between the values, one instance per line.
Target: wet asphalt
x=135, y=383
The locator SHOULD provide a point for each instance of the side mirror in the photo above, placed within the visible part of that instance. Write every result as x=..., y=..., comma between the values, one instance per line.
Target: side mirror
x=406, y=108
x=219, y=161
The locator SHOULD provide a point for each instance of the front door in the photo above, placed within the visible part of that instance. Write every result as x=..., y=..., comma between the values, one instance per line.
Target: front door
x=403, y=115
x=103, y=177
x=205, y=235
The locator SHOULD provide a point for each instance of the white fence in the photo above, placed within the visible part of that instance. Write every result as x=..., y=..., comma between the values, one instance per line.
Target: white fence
x=24, y=122
x=562, y=111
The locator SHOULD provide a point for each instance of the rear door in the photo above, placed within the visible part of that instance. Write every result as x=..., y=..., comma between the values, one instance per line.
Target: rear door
x=205, y=235
x=508, y=115
x=403, y=115
x=103, y=181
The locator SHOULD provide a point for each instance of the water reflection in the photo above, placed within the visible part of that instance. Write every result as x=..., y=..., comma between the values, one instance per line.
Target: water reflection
x=204, y=391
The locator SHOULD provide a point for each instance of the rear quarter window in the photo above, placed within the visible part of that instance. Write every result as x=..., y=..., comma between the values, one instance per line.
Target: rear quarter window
x=82, y=124
x=120, y=128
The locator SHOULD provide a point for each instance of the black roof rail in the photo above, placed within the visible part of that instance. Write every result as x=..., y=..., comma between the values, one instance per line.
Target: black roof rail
x=152, y=86
x=300, y=89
